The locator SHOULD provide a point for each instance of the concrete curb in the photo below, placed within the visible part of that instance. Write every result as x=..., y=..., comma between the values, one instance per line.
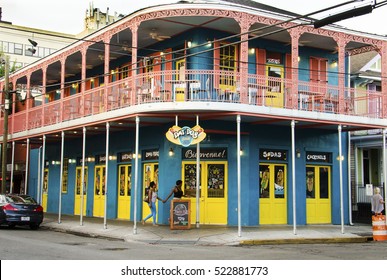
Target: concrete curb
x=306, y=241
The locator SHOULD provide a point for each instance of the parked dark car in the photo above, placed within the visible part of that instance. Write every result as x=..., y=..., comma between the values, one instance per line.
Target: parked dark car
x=19, y=209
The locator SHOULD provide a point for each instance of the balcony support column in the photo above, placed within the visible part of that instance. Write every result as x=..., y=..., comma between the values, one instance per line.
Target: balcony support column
x=341, y=43
x=13, y=107
x=62, y=84
x=44, y=83
x=29, y=102
x=83, y=79
x=245, y=24
x=295, y=34
x=106, y=41
x=134, y=28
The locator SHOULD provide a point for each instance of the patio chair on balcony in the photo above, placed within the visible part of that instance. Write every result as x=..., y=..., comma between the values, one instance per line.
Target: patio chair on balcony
x=194, y=90
x=144, y=92
x=54, y=116
x=252, y=91
x=112, y=101
x=124, y=96
x=165, y=95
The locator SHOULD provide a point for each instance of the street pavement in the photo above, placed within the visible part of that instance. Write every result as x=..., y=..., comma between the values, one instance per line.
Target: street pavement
x=208, y=234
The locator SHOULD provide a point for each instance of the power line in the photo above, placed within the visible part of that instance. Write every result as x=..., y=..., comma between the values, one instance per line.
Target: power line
x=305, y=18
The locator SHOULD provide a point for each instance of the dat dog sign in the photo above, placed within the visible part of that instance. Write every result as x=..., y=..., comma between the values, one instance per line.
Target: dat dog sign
x=185, y=136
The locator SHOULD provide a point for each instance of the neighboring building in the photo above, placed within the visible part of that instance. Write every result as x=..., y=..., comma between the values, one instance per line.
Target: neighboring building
x=15, y=42
x=366, y=145
x=95, y=20
x=129, y=104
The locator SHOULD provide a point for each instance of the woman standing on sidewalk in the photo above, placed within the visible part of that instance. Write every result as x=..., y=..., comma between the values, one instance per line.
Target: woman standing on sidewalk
x=152, y=196
x=377, y=202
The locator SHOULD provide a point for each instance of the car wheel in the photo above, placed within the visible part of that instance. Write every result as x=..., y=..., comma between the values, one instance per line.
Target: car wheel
x=11, y=226
x=34, y=226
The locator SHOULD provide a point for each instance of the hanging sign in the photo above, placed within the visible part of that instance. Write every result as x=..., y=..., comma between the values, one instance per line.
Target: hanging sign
x=273, y=61
x=208, y=153
x=185, y=136
x=125, y=156
x=150, y=154
x=319, y=157
x=272, y=154
x=100, y=159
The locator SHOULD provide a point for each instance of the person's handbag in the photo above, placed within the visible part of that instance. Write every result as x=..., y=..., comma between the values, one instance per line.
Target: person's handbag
x=146, y=198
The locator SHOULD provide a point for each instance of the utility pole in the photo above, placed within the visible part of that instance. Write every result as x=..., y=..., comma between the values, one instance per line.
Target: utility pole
x=5, y=130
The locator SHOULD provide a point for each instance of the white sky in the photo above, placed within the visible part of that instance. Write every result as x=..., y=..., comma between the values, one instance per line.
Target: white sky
x=68, y=16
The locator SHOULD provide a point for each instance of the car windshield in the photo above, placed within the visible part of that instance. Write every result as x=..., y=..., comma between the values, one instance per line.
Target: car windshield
x=20, y=199
x=28, y=199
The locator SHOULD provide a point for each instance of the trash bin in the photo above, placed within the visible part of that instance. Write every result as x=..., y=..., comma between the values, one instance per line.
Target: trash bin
x=379, y=228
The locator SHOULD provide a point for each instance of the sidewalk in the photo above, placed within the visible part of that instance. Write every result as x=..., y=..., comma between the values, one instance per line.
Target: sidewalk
x=208, y=235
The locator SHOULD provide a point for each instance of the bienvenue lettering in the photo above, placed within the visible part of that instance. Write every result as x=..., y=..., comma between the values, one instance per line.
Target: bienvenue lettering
x=192, y=154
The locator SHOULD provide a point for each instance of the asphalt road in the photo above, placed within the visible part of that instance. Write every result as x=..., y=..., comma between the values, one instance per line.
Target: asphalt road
x=25, y=244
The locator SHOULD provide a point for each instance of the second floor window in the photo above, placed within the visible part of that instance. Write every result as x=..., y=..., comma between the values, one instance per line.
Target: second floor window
x=227, y=64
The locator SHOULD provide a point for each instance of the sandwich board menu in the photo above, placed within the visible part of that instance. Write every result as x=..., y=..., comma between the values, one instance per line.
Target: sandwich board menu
x=180, y=217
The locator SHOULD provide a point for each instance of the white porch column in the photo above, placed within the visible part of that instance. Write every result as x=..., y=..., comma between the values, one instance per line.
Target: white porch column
x=238, y=120
x=106, y=175
x=83, y=175
x=61, y=179
x=12, y=167
x=136, y=176
x=341, y=180
x=42, y=170
x=27, y=165
x=197, y=179
x=293, y=125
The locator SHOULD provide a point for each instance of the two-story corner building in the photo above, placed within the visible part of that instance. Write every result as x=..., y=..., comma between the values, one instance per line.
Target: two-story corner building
x=248, y=105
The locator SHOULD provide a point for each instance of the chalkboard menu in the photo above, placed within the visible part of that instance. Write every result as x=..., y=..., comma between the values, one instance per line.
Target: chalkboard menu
x=180, y=214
